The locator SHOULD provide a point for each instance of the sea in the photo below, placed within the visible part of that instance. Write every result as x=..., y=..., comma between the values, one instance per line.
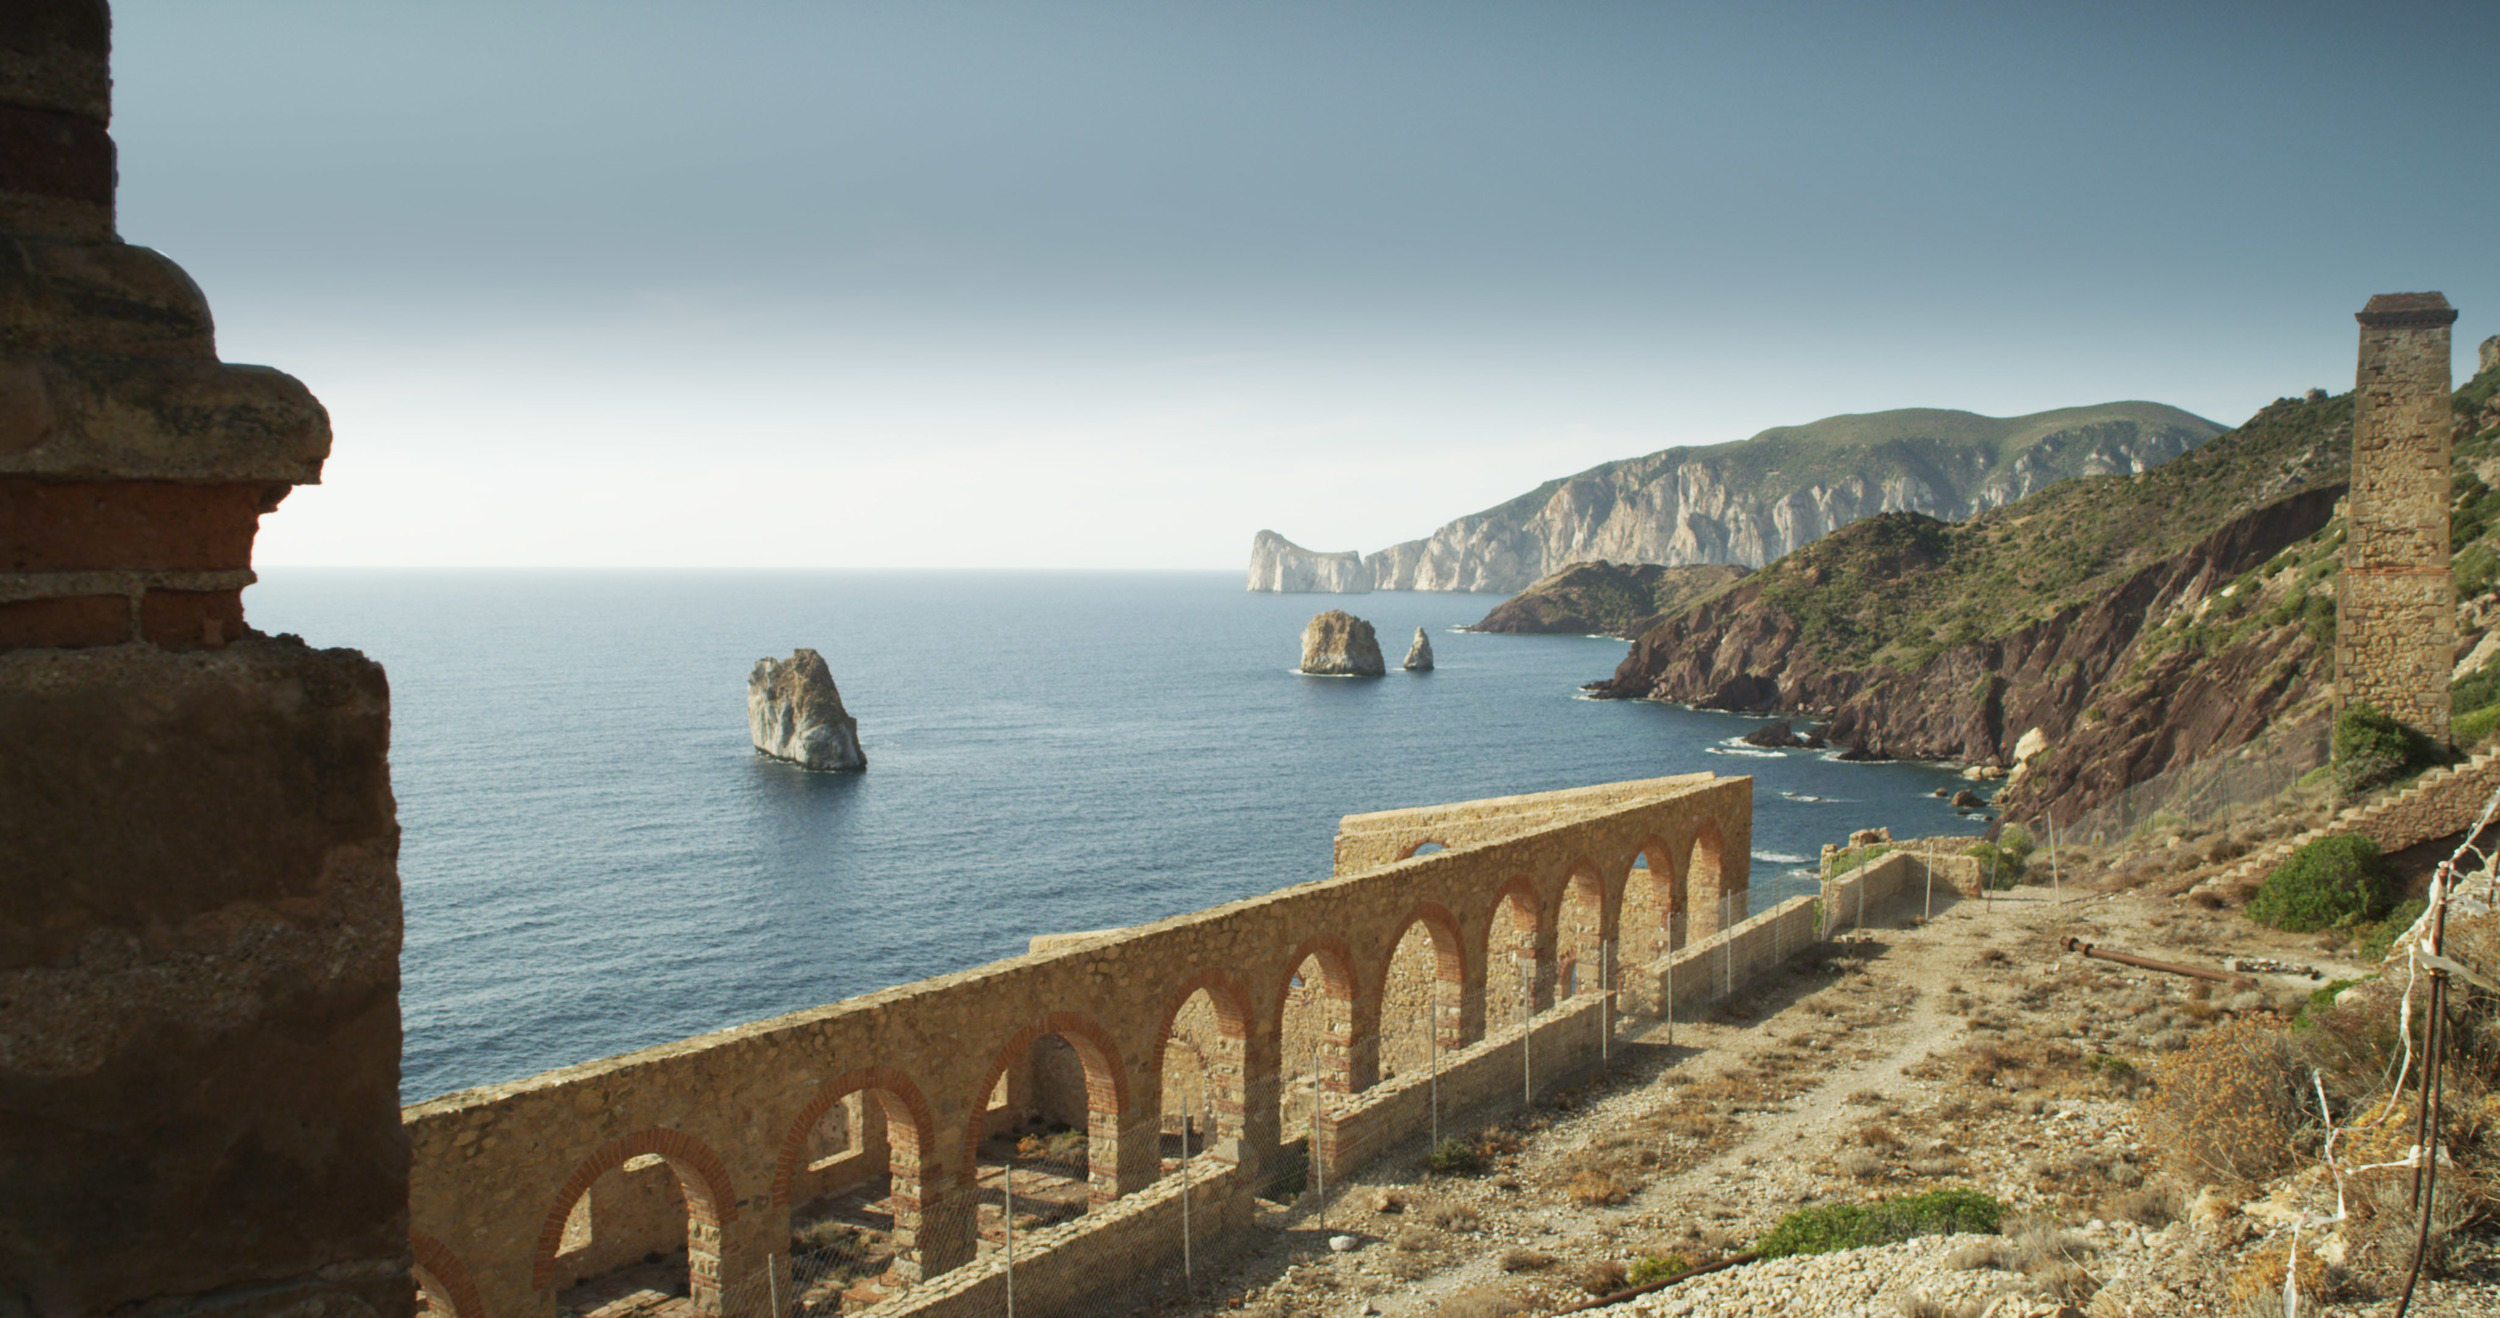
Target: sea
x=594, y=859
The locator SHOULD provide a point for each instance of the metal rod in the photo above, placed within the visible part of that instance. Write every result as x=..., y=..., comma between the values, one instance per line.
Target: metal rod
x=1527, y=1031
x=1605, y=1001
x=1930, y=913
x=1436, y=1062
x=1319, y=1165
x=1186, y=1276
x=772, y=1284
x=2073, y=944
x=2054, y=885
x=1007, y=1188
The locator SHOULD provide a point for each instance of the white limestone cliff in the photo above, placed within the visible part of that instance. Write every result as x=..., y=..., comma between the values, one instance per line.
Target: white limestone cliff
x=795, y=713
x=1278, y=564
x=1419, y=655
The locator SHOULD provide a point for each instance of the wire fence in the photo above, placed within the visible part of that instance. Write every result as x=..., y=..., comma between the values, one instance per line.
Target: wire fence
x=2207, y=790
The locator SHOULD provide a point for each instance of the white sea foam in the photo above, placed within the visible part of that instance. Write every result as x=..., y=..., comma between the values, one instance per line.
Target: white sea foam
x=1778, y=858
x=1748, y=752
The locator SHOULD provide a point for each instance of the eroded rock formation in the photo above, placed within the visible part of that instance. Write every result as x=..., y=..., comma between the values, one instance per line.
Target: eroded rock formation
x=1278, y=564
x=1338, y=644
x=795, y=713
x=1608, y=599
x=1419, y=655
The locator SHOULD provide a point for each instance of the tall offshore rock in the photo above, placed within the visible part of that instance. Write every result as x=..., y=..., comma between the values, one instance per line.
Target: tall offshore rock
x=1278, y=564
x=1338, y=644
x=796, y=714
x=1419, y=654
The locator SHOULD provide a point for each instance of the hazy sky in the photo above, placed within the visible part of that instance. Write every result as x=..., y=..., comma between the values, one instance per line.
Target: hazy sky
x=1115, y=285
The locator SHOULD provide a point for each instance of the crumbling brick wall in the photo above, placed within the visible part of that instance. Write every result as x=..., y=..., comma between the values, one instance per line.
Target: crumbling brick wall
x=199, y=901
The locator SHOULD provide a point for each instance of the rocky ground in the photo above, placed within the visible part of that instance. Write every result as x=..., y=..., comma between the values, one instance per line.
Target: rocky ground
x=1969, y=1050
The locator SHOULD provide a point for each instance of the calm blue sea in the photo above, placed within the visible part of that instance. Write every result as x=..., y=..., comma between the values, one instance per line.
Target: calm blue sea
x=596, y=860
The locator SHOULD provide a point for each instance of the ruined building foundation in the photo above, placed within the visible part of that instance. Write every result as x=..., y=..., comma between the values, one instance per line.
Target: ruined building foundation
x=2395, y=604
x=199, y=899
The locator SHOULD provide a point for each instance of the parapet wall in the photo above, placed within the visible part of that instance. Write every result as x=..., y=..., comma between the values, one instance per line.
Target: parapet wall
x=735, y=1115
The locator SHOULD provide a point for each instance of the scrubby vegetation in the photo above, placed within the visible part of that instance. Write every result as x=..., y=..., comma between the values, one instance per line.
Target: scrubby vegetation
x=1827, y=1227
x=2330, y=883
x=2373, y=750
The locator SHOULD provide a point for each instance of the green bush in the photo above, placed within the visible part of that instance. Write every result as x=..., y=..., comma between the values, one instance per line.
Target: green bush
x=2319, y=1002
x=1457, y=1157
x=2371, y=942
x=2469, y=730
x=2016, y=841
x=2373, y=750
x=1844, y=861
x=1999, y=868
x=1657, y=1269
x=2334, y=880
x=1827, y=1227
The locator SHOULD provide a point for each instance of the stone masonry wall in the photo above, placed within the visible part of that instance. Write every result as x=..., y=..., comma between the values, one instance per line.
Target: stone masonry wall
x=2395, y=604
x=497, y=1169
x=199, y=901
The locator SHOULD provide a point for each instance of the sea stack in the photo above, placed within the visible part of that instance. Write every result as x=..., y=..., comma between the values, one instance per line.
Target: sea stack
x=1338, y=644
x=1419, y=655
x=796, y=714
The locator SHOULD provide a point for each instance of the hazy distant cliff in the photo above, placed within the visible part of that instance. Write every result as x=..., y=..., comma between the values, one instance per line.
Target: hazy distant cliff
x=1756, y=500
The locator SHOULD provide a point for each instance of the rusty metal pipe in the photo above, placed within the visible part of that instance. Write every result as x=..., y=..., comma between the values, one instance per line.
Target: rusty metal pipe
x=2073, y=944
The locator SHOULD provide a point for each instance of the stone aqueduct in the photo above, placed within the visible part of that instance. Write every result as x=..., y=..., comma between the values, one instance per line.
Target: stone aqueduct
x=733, y=1117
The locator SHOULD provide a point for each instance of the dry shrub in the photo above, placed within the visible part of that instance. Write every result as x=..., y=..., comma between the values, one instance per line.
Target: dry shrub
x=1876, y=1135
x=1604, y=1277
x=2383, y=1226
x=1597, y=1189
x=2257, y=1287
x=1454, y=1217
x=1414, y=1240
x=1483, y=1302
x=2157, y=1204
x=2226, y=1108
x=1864, y=1098
x=1526, y=1260
x=1409, y=1267
x=1862, y=1164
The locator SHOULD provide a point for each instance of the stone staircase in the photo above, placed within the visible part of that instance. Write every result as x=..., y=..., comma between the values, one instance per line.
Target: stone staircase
x=2443, y=801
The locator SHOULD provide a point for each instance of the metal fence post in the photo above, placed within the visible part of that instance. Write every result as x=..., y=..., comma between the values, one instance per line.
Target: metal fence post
x=1319, y=1164
x=1605, y=1002
x=1007, y=1188
x=1527, y=1032
x=1436, y=1062
x=1930, y=913
x=1727, y=947
x=772, y=1285
x=1188, y=1278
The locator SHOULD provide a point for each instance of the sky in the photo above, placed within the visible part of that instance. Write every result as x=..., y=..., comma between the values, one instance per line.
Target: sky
x=1076, y=285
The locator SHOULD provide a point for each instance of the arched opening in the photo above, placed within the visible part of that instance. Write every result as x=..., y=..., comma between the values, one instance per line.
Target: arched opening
x=854, y=1173
x=1317, y=1040
x=638, y=1223
x=1650, y=906
x=1201, y=1066
x=1709, y=906
x=1422, y=847
x=1510, y=960
x=444, y=1289
x=1580, y=933
x=1420, y=994
x=1047, y=1137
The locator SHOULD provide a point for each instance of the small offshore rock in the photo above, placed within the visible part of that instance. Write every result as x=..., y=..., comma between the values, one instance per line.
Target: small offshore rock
x=1776, y=735
x=1338, y=644
x=1419, y=655
x=1966, y=799
x=796, y=714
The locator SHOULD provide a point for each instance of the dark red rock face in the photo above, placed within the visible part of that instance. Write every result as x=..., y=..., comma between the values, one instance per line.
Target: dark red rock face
x=1970, y=704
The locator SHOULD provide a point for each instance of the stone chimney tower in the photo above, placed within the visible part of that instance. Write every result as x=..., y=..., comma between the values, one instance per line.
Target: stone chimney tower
x=2396, y=604
x=199, y=892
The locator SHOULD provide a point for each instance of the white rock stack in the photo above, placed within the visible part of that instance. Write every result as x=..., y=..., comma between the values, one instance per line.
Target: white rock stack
x=1419, y=655
x=1278, y=564
x=1338, y=644
x=796, y=714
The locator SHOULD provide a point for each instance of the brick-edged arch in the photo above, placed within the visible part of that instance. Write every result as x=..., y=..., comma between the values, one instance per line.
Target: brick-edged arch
x=1106, y=1096
x=445, y=1281
x=710, y=1200
x=1357, y=1063
x=1529, y=933
x=1582, y=924
x=911, y=1129
x=1447, y=1017
x=1233, y=1014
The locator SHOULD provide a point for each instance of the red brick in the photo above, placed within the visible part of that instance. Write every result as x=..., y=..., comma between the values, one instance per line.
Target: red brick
x=191, y=619
x=89, y=526
x=73, y=623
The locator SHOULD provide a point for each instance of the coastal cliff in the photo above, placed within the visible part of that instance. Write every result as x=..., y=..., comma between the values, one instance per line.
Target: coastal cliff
x=2134, y=621
x=1278, y=564
x=1608, y=599
x=1756, y=500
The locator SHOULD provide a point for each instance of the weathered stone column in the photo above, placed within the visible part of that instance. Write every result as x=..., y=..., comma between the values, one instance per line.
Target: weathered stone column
x=2395, y=604
x=1262, y=1090
x=199, y=897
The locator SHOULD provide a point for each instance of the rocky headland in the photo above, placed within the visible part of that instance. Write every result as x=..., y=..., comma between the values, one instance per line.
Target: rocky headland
x=1608, y=599
x=1338, y=644
x=1754, y=500
x=795, y=713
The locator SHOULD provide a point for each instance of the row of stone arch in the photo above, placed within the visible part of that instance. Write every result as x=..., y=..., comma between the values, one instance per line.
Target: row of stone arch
x=1236, y=1047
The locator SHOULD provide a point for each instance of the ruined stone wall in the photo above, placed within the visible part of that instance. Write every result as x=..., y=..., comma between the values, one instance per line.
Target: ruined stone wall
x=199, y=903
x=2395, y=604
x=497, y=1169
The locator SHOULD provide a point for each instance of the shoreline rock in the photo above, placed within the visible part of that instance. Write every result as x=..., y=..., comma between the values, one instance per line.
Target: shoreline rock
x=1419, y=655
x=795, y=713
x=1338, y=644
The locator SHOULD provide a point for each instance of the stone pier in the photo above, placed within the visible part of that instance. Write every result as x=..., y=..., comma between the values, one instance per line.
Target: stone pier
x=2395, y=605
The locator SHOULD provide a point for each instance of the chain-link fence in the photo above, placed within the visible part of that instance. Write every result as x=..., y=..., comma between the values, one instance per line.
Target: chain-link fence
x=2207, y=790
